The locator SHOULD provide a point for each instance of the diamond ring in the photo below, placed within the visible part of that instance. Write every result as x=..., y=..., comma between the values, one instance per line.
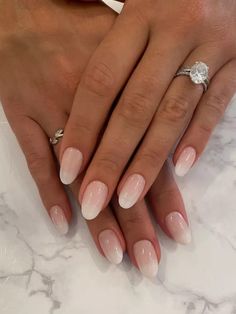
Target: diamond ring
x=58, y=134
x=198, y=73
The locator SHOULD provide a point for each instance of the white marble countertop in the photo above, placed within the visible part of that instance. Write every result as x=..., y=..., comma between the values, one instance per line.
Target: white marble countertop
x=43, y=273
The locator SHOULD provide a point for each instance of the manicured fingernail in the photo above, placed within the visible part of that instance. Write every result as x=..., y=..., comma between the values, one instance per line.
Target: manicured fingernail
x=70, y=165
x=58, y=218
x=131, y=190
x=111, y=247
x=94, y=199
x=178, y=228
x=185, y=161
x=146, y=258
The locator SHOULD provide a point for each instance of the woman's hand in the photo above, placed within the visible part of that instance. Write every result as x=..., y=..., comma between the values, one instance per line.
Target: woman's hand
x=44, y=49
x=141, y=54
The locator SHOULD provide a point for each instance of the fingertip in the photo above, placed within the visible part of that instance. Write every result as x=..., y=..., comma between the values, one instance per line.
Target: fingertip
x=111, y=246
x=131, y=191
x=59, y=219
x=185, y=161
x=178, y=228
x=94, y=199
x=71, y=163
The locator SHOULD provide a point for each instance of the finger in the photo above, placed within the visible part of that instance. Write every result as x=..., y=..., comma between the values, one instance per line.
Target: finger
x=103, y=78
x=168, y=207
x=105, y=230
x=142, y=245
x=42, y=166
x=208, y=113
x=171, y=118
x=108, y=236
x=128, y=123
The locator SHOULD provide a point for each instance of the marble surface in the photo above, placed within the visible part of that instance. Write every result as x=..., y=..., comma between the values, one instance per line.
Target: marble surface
x=43, y=273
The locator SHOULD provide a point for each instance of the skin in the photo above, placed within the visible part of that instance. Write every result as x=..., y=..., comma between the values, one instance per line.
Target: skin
x=45, y=47
x=154, y=110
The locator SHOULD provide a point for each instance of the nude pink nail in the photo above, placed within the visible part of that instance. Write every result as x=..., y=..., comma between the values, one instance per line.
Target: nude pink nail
x=178, y=228
x=111, y=247
x=94, y=199
x=185, y=161
x=146, y=258
x=58, y=218
x=70, y=165
x=131, y=190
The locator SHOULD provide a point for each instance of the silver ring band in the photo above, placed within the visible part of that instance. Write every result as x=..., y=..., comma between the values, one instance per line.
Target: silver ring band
x=198, y=73
x=55, y=139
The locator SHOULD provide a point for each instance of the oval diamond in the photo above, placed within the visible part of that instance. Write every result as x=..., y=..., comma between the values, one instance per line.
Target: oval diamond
x=199, y=73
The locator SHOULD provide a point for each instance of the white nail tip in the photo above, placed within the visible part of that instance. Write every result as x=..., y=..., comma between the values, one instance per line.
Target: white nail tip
x=178, y=228
x=93, y=199
x=70, y=165
x=59, y=220
x=185, y=161
x=125, y=202
x=146, y=258
x=131, y=191
x=90, y=213
x=66, y=178
x=150, y=272
x=111, y=247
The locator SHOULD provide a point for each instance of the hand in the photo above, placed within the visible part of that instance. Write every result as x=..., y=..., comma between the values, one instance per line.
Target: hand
x=44, y=49
x=146, y=46
x=41, y=65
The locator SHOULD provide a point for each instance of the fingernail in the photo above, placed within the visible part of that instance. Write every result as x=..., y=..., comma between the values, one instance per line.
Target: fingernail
x=178, y=228
x=70, y=165
x=111, y=246
x=146, y=258
x=131, y=190
x=94, y=199
x=58, y=218
x=185, y=161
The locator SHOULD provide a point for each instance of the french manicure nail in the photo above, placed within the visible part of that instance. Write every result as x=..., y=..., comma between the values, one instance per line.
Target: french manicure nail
x=58, y=218
x=70, y=165
x=185, y=161
x=146, y=258
x=178, y=228
x=111, y=247
x=94, y=199
x=131, y=191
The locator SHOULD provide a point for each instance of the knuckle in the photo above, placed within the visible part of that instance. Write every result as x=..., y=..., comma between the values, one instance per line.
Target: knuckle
x=175, y=109
x=193, y=18
x=150, y=158
x=205, y=128
x=135, y=9
x=80, y=127
x=141, y=15
x=214, y=109
x=197, y=12
x=37, y=165
x=135, y=109
x=99, y=79
x=108, y=164
x=216, y=105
